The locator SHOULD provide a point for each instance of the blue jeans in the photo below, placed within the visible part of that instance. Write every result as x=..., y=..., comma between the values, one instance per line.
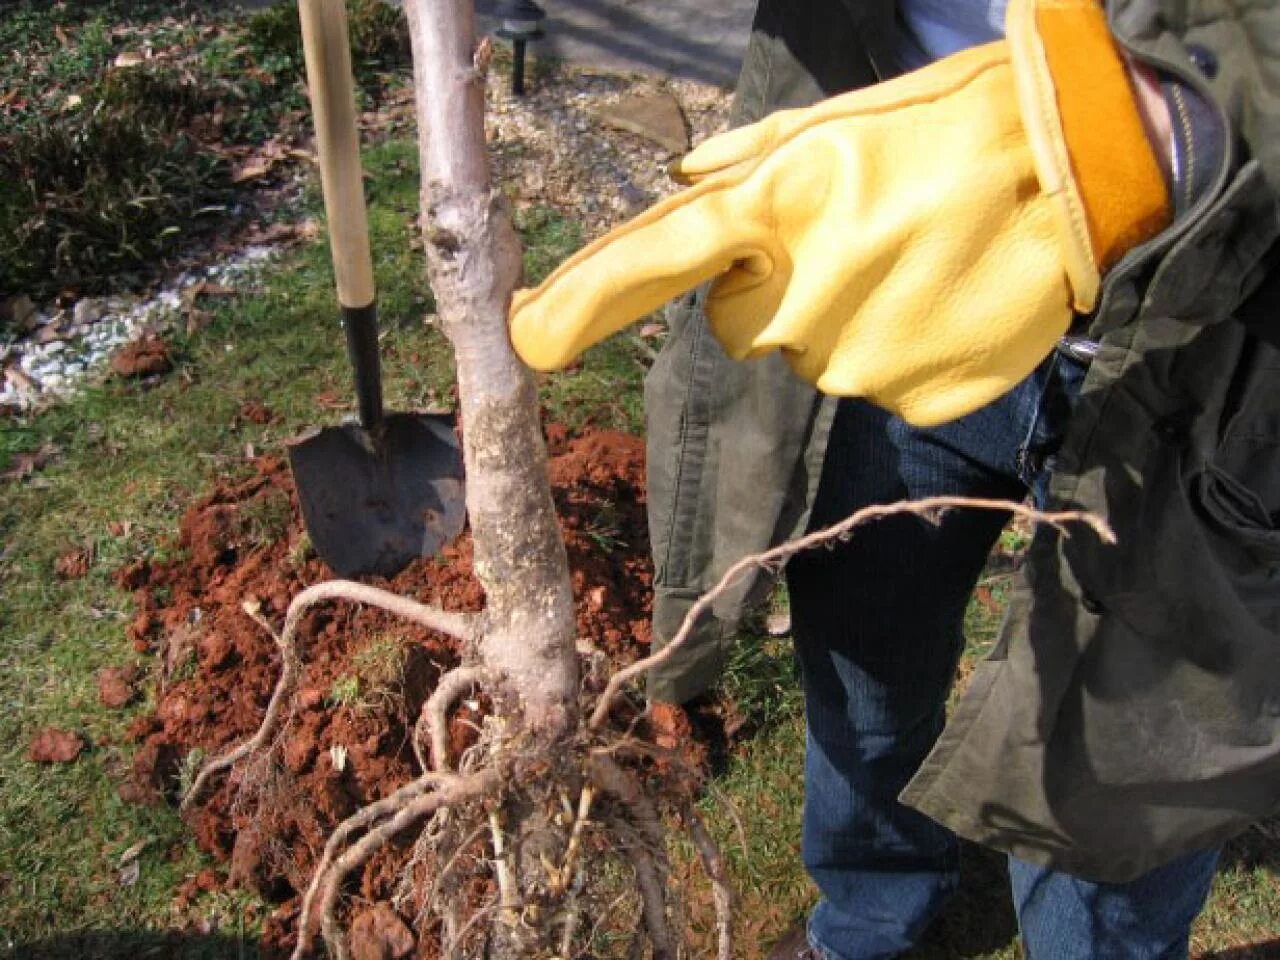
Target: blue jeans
x=878, y=625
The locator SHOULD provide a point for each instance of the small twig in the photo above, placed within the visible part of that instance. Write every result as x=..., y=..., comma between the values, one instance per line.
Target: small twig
x=433, y=720
x=451, y=791
x=726, y=801
x=930, y=508
x=455, y=624
x=610, y=777
x=721, y=891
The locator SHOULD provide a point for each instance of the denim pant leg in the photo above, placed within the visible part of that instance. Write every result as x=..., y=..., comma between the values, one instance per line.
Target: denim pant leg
x=878, y=625
x=1065, y=918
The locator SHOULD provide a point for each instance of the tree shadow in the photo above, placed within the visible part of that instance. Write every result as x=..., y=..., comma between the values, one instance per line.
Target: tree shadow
x=1257, y=847
x=135, y=945
x=979, y=918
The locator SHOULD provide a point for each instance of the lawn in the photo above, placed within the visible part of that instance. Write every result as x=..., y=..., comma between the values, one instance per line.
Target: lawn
x=83, y=873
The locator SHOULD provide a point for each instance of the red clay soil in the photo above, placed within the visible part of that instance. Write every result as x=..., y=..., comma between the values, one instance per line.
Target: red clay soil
x=217, y=667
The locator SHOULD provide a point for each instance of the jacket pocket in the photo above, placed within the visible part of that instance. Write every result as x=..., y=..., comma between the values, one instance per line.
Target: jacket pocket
x=1236, y=491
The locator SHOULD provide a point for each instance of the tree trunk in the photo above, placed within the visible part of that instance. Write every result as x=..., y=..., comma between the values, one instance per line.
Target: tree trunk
x=473, y=264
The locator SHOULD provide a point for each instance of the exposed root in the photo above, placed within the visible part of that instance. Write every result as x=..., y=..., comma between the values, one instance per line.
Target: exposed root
x=718, y=874
x=651, y=884
x=567, y=869
x=930, y=508
x=451, y=791
x=505, y=871
x=610, y=777
x=457, y=625
x=648, y=854
x=433, y=721
x=572, y=911
x=359, y=820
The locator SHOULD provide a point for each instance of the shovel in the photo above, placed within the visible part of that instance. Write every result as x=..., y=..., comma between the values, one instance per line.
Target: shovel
x=377, y=495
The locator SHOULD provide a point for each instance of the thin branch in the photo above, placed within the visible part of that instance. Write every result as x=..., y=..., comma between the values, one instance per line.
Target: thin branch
x=461, y=937
x=721, y=891
x=648, y=857
x=433, y=720
x=454, y=624
x=930, y=508
x=443, y=873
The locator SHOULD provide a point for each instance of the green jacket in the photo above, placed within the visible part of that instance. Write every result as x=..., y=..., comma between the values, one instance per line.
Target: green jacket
x=1131, y=709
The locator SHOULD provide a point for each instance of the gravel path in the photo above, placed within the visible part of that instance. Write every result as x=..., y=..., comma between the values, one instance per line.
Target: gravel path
x=549, y=148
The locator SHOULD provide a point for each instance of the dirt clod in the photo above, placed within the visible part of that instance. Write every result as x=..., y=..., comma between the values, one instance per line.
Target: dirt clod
x=117, y=686
x=147, y=357
x=348, y=741
x=51, y=745
x=73, y=565
x=379, y=934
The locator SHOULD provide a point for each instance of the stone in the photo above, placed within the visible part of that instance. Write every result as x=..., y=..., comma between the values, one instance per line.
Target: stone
x=380, y=934
x=655, y=116
x=87, y=311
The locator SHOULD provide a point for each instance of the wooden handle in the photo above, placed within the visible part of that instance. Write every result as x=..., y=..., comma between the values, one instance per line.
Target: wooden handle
x=328, y=57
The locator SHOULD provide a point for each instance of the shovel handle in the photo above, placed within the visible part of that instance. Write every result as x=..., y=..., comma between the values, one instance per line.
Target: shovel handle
x=328, y=57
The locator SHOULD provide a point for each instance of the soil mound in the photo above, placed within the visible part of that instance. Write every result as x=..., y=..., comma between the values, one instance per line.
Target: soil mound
x=367, y=674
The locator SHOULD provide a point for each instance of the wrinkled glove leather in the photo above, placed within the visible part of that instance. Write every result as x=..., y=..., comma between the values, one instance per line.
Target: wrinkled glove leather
x=921, y=243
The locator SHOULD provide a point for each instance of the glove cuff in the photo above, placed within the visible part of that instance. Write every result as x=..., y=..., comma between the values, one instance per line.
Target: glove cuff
x=1092, y=155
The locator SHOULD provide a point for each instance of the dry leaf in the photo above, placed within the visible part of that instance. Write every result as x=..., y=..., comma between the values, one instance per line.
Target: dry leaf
x=130, y=873
x=133, y=852
x=129, y=58
x=21, y=380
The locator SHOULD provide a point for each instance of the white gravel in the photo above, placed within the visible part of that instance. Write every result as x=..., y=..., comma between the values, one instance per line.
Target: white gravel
x=548, y=148
x=66, y=348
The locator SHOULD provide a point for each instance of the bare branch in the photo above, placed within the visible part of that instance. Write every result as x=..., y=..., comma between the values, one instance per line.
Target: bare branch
x=433, y=720
x=930, y=508
x=454, y=624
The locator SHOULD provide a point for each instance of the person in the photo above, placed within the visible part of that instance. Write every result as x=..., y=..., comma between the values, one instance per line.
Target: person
x=1128, y=720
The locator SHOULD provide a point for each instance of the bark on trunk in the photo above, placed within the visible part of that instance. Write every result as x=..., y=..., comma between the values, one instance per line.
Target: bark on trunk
x=474, y=264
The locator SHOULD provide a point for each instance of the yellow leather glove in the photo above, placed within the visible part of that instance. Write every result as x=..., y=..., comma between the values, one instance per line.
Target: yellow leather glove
x=920, y=243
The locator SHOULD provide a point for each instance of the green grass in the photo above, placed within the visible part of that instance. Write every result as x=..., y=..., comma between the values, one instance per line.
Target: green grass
x=110, y=169
x=137, y=454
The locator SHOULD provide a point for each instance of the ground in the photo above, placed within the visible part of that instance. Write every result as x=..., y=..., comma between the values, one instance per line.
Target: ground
x=136, y=514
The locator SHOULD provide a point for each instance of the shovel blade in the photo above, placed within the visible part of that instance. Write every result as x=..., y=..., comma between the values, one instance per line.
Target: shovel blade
x=373, y=505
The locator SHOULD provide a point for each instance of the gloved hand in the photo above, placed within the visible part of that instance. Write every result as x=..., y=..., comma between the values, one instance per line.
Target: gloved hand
x=921, y=243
